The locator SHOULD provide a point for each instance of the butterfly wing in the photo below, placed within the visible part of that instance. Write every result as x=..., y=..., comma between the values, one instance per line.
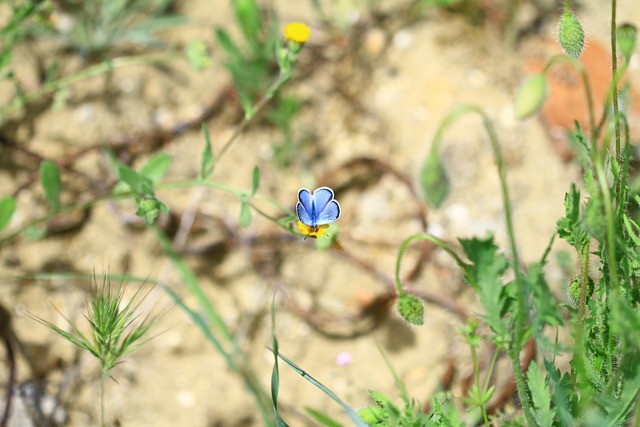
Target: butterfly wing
x=327, y=208
x=304, y=207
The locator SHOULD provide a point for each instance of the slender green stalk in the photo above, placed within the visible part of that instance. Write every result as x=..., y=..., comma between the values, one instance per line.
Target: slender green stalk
x=579, y=67
x=476, y=376
x=442, y=244
x=521, y=296
x=234, y=356
x=614, y=75
x=83, y=74
x=102, y=398
x=240, y=192
x=282, y=78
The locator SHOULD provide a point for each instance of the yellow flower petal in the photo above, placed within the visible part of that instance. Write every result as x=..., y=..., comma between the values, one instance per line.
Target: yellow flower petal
x=297, y=31
x=317, y=231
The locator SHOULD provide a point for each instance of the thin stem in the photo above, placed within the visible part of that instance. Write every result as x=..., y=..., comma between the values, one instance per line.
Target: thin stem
x=582, y=304
x=522, y=306
x=577, y=65
x=614, y=74
x=442, y=244
x=125, y=195
x=259, y=106
x=98, y=69
x=476, y=377
x=102, y=399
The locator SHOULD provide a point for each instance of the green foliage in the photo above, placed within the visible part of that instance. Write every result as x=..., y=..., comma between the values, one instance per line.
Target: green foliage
x=208, y=160
x=433, y=180
x=94, y=27
x=115, y=324
x=384, y=412
x=281, y=115
x=7, y=208
x=50, y=180
x=543, y=412
x=355, y=417
x=486, y=269
x=197, y=55
x=250, y=60
x=531, y=96
x=141, y=183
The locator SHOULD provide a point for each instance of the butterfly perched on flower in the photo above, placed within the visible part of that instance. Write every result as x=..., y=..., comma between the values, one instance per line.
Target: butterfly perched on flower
x=316, y=211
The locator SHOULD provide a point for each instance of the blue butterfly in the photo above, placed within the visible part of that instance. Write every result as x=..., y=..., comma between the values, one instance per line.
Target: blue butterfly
x=319, y=208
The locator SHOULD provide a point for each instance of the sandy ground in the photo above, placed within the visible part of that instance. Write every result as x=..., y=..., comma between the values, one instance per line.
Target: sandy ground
x=377, y=92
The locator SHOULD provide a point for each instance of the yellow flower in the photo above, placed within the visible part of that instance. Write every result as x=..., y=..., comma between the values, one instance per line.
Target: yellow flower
x=317, y=231
x=297, y=32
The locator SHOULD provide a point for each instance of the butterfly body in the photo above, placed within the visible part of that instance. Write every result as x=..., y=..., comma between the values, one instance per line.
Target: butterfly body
x=318, y=209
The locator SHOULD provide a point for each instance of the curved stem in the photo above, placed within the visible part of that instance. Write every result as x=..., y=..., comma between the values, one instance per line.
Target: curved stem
x=521, y=297
x=577, y=65
x=442, y=244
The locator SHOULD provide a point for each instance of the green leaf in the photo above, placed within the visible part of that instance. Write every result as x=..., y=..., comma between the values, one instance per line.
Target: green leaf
x=50, y=180
x=434, y=181
x=563, y=394
x=208, y=161
x=156, y=167
x=487, y=268
x=540, y=396
x=357, y=421
x=245, y=213
x=228, y=44
x=322, y=418
x=544, y=301
x=248, y=15
x=570, y=227
x=7, y=208
x=255, y=180
x=138, y=183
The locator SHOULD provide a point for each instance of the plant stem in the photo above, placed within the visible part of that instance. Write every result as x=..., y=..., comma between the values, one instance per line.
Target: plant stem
x=614, y=75
x=259, y=106
x=521, y=296
x=95, y=70
x=442, y=244
x=101, y=399
x=577, y=65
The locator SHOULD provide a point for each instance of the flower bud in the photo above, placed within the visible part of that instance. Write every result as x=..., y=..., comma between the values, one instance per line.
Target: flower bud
x=531, y=96
x=411, y=309
x=626, y=35
x=434, y=181
x=570, y=34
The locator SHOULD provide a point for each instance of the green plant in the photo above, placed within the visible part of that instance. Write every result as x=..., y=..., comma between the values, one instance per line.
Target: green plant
x=94, y=27
x=603, y=382
x=250, y=61
x=116, y=328
x=108, y=316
